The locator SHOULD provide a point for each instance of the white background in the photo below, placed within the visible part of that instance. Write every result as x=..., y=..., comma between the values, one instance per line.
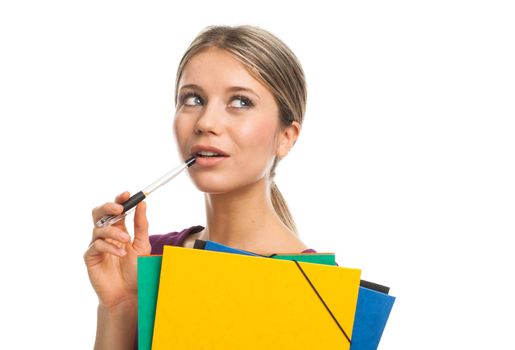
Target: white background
x=405, y=166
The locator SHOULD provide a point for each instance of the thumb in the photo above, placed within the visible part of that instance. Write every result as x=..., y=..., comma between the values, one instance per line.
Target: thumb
x=141, y=242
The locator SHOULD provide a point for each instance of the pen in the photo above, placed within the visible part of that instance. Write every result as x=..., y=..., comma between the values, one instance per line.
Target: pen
x=130, y=203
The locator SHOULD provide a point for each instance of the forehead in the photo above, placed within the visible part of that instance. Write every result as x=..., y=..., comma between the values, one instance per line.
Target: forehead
x=215, y=67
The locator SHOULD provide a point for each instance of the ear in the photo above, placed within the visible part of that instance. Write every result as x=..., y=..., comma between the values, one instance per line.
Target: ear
x=287, y=138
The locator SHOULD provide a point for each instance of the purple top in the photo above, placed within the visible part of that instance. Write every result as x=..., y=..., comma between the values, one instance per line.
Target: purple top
x=177, y=239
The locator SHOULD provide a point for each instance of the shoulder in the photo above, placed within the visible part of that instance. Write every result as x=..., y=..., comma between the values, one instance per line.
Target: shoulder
x=175, y=238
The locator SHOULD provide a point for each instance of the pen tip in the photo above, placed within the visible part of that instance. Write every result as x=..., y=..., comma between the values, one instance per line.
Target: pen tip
x=190, y=161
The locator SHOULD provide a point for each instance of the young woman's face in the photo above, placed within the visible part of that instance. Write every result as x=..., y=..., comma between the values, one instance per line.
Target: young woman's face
x=228, y=119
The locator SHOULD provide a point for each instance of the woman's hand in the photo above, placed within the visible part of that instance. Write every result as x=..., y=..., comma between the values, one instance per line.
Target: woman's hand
x=111, y=258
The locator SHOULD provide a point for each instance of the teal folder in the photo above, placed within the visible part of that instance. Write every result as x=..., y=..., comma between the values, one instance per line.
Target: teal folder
x=149, y=269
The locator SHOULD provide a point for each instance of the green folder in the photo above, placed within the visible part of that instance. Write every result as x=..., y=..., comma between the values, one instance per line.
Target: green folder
x=316, y=258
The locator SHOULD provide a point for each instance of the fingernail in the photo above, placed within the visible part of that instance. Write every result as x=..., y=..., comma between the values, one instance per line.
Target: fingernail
x=122, y=252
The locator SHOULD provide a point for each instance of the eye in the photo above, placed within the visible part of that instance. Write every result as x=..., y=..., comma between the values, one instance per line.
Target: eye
x=239, y=101
x=191, y=99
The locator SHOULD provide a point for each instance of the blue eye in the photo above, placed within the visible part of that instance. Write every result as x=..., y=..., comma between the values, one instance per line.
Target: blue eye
x=241, y=102
x=191, y=99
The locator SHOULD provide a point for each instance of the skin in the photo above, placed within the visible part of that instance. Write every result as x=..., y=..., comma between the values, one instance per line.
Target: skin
x=239, y=212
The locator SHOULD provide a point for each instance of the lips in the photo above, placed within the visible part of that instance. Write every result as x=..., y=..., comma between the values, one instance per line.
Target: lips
x=205, y=151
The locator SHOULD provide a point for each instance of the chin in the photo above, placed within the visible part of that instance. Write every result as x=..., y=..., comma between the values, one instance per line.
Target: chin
x=212, y=184
x=213, y=189
x=220, y=184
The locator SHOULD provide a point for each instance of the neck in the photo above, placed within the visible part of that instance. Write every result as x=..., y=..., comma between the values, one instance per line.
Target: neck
x=244, y=218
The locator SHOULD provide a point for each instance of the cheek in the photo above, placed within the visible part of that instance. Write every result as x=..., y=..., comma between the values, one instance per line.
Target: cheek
x=258, y=135
x=181, y=130
x=256, y=147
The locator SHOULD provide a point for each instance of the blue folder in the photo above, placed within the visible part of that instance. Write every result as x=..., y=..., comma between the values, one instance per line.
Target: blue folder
x=372, y=313
x=372, y=310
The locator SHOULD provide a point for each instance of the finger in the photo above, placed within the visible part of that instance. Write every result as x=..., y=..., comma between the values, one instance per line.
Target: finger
x=106, y=209
x=141, y=242
x=122, y=197
x=112, y=233
x=100, y=247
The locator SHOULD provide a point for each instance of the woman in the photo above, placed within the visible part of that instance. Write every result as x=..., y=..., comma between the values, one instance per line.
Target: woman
x=240, y=101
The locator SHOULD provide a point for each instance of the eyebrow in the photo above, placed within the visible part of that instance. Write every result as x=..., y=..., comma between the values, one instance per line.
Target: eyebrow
x=230, y=89
x=241, y=88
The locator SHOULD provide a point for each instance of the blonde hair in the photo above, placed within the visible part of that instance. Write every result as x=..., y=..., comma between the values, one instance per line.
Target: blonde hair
x=271, y=62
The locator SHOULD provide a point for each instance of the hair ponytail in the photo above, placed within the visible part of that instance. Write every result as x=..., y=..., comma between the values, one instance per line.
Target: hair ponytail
x=281, y=208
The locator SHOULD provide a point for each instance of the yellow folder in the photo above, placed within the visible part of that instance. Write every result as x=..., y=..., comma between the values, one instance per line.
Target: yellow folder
x=215, y=300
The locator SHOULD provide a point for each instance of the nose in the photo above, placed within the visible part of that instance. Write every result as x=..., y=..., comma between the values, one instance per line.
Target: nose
x=210, y=121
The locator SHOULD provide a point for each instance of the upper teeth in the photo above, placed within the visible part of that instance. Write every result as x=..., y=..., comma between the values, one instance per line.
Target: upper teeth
x=206, y=153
